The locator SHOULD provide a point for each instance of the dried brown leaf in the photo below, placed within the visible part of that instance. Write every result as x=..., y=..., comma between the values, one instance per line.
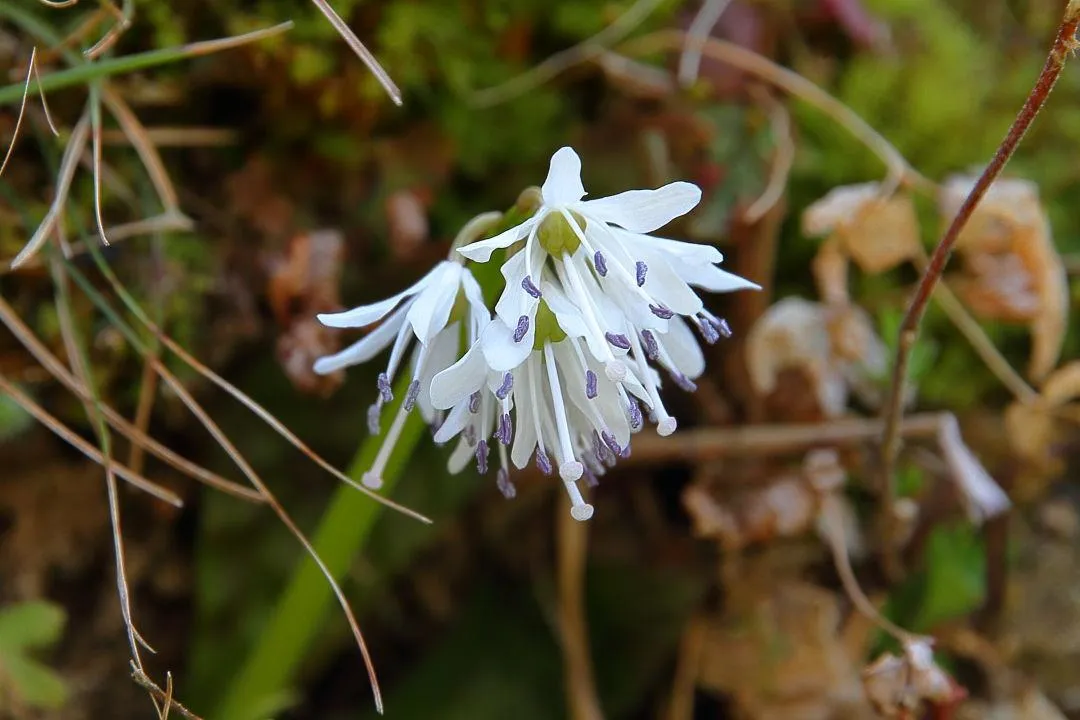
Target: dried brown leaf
x=877, y=232
x=1012, y=270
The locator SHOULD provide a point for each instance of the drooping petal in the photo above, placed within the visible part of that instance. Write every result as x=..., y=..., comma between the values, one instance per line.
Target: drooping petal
x=367, y=314
x=500, y=351
x=460, y=458
x=364, y=349
x=683, y=348
x=514, y=300
x=566, y=313
x=690, y=252
x=459, y=381
x=563, y=183
x=643, y=211
x=481, y=251
x=665, y=285
x=455, y=422
x=431, y=309
x=441, y=356
x=711, y=278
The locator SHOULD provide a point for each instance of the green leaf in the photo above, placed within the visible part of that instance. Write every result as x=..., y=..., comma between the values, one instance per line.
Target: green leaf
x=955, y=580
x=31, y=624
x=35, y=684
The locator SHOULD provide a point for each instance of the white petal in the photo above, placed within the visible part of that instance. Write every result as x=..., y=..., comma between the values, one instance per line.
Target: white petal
x=481, y=251
x=501, y=353
x=459, y=459
x=459, y=381
x=683, y=348
x=473, y=293
x=455, y=422
x=441, y=356
x=431, y=309
x=524, y=428
x=644, y=210
x=665, y=285
x=711, y=278
x=567, y=314
x=364, y=349
x=514, y=301
x=690, y=252
x=563, y=183
x=367, y=314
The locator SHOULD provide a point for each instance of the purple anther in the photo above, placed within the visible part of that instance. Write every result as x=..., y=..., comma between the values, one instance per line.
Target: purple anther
x=684, y=382
x=590, y=384
x=373, y=413
x=522, y=328
x=609, y=439
x=652, y=350
x=384, y=388
x=640, y=269
x=705, y=327
x=528, y=286
x=636, y=420
x=506, y=487
x=474, y=402
x=723, y=328
x=661, y=312
x=542, y=461
x=481, y=456
x=590, y=478
x=600, y=264
x=625, y=452
x=506, y=387
x=411, y=395
x=505, y=431
x=618, y=340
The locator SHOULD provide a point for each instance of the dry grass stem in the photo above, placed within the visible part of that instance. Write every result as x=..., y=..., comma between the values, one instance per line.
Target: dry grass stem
x=572, y=537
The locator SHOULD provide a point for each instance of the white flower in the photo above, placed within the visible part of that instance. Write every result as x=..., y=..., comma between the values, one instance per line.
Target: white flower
x=424, y=312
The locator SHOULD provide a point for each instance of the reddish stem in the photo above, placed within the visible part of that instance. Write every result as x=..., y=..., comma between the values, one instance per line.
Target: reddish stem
x=1064, y=43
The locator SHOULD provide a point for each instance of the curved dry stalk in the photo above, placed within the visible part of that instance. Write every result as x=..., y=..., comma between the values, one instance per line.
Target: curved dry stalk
x=700, y=29
x=1064, y=44
x=70, y=436
x=358, y=47
x=165, y=697
x=262, y=413
x=137, y=437
x=900, y=172
x=123, y=22
x=780, y=119
x=558, y=63
x=572, y=539
x=59, y=3
x=68, y=163
x=31, y=70
x=95, y=144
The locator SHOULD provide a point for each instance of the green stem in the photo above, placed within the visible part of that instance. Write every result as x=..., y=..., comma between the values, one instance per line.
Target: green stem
x=89, y=71
x=269, y=671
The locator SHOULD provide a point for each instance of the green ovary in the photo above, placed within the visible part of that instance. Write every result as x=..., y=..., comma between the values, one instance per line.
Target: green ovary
x=547, y=327
x=557, y=237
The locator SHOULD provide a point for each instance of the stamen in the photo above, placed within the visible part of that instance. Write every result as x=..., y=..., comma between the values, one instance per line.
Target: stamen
x=666, y=426
x=506, y=387
x=661, y=312
x=522, y=328
x=618, y=340
x=506, y=487
x=590, y=384
x=373, y=414
x=723, y=328
x=474, y=402
x=600, y=264
x=569, y=468
x=373, y=477
x=411, y=395
x=590, y=478
x=542, y=461
x=579, y=509
x=383, y=384
x=469, y=433
x=505, y=431
x=641, y=268
x=482, y=457
x=684, y=382
x=706, y=328
x=636, y=418
x=609, y=439
x=652, y=351
x=528, y=286
x=615, y=370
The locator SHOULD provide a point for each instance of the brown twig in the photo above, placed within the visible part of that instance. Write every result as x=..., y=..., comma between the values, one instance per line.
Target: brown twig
x=1064, y=43
x=164, y=696
x=703, y=444
x=572, y=540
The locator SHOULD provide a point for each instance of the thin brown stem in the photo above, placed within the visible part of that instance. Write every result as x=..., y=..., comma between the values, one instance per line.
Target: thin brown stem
x=572, y=539
x=1064, y=43
x=163, y=696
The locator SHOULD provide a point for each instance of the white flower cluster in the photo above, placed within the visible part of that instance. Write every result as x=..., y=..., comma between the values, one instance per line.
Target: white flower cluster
x=568, y=368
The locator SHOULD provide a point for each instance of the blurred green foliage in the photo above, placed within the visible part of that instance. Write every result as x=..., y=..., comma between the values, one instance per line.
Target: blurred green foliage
x=25, y=629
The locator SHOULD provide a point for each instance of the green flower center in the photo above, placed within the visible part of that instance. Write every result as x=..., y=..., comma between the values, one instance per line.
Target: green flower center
x=557, y=237
x=547, y=327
